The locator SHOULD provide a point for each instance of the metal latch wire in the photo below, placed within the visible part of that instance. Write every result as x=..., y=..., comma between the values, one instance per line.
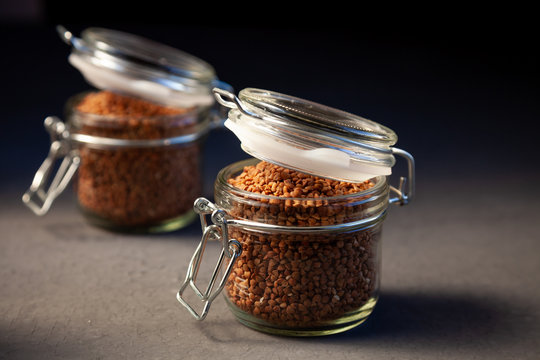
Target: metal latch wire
x=406, y=188
x=230, y=248
x=39, y=197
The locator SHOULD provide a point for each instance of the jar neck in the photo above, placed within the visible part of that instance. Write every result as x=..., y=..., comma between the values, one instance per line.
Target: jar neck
x=133, y=125
x=363, y=207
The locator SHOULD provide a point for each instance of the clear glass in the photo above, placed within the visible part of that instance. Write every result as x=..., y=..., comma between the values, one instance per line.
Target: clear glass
x=304, y=283
x=309, y=137
x=138, y=189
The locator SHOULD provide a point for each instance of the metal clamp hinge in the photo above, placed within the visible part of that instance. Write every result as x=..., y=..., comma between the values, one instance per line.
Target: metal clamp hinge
x=405, y=191
x=230, y=249
x=39, y=197
x=229, y=100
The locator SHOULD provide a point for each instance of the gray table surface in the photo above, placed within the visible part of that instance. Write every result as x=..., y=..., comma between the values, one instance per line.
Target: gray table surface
x=460, y=280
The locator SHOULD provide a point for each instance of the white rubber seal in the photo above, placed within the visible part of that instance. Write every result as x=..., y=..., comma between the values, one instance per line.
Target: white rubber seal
x=107, y=79
x=323, y=162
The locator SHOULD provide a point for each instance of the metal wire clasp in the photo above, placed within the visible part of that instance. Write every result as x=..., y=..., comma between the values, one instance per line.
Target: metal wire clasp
x=230, y=249
x=38, y=197
x=404, y=196
x=229, y=100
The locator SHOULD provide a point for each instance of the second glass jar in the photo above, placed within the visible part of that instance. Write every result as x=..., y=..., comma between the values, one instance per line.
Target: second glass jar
x=135, y=141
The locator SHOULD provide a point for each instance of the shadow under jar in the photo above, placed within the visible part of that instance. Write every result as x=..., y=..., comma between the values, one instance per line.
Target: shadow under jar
x=300, y=281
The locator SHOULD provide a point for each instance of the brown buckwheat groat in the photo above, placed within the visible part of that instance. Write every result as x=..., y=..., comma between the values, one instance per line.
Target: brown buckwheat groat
x=135, y=186
x=299, y=280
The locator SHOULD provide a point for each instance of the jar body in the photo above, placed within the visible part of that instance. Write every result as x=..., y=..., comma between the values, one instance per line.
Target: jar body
x=304, y=282
x=144, y=183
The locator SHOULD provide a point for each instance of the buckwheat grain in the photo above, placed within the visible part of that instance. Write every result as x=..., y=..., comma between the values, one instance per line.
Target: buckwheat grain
x=297, y=280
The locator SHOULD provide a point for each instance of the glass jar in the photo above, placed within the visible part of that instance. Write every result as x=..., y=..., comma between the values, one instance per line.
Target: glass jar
x=289, y=281
x=135, y=142
x=298, y=265
x=148, y=186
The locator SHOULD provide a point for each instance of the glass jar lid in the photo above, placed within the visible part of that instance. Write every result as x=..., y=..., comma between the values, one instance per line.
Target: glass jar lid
x=307, y=136
x=134, y=65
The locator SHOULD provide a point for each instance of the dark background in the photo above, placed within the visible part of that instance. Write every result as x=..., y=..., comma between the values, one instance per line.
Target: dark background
x=458, y=85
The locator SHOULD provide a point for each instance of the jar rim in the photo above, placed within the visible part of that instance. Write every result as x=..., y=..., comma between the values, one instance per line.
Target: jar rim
x=380, y=184
x=71, y=103
x=193, y=126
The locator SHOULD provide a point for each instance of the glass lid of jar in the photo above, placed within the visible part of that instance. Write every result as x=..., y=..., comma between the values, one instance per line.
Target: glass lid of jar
x=307, y=136
x=134, y=65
